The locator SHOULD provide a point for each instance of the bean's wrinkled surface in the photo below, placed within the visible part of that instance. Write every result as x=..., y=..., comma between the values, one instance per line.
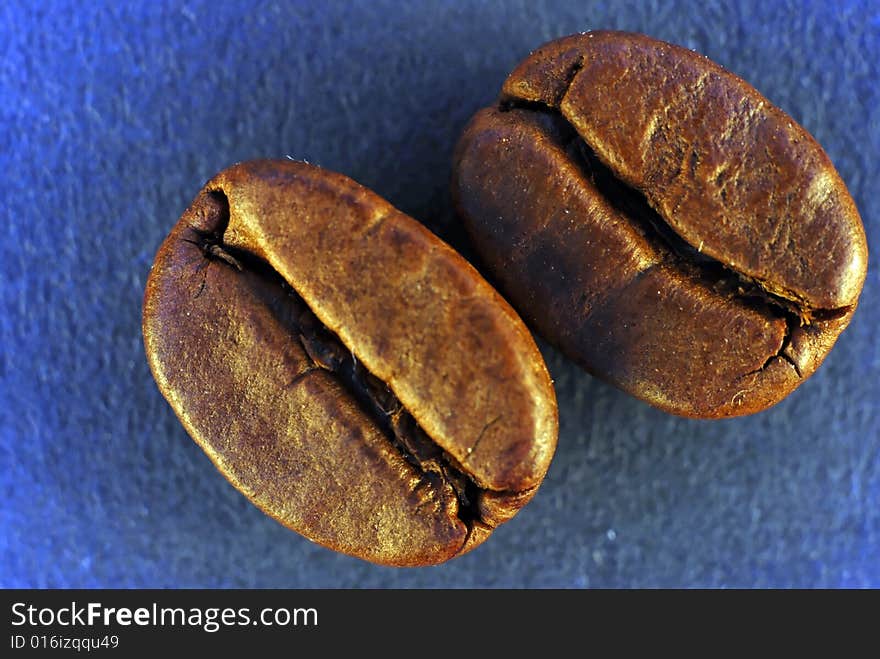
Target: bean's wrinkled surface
x=344, y=368
x=663, y=223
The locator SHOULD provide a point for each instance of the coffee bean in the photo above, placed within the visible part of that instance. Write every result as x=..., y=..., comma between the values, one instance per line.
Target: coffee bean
x=344, y=368
x=662, y=223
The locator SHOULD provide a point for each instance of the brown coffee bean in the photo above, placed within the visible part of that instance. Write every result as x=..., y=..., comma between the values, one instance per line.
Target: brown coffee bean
x=662, y=223
x=344, y=368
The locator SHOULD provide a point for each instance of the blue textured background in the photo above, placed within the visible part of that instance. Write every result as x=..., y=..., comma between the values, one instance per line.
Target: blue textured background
x=113, y=116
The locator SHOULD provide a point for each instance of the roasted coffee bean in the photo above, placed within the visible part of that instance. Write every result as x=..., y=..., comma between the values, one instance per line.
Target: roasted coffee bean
x=662, y=223
x=344, y=368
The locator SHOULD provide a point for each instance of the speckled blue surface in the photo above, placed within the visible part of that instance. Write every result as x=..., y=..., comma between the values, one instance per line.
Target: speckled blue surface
x=112, y=117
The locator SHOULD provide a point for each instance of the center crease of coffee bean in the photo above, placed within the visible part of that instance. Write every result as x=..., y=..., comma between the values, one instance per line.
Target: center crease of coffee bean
x=674, y=250
x=327, y=352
